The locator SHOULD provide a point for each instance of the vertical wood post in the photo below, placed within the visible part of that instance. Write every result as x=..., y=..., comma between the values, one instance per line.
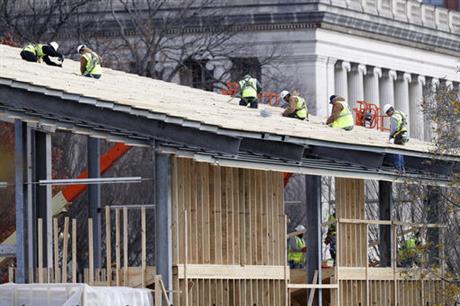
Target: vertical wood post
x=74, y=251
x=65, y=246
x=91, y=251
x=108, y=245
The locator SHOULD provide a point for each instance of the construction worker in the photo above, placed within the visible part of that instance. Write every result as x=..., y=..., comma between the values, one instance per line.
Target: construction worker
x=331, y=238
x=297, y=107
x=297, y=248
x=398, y=132
x=249, y=89
x=341, y=116
x=90, y=62
x=42, y=52
x=407, y=253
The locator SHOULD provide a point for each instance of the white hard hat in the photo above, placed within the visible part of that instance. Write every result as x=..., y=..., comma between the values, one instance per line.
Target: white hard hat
x=300, y=228
x=55, y=45
x=386, y=108
x=284, y=93
x=80, y=47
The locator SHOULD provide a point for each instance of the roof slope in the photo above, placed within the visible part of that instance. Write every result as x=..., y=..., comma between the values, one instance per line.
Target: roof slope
x=175, y=101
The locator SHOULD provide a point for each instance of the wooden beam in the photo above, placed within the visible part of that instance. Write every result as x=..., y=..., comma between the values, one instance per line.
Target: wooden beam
x=231, y=272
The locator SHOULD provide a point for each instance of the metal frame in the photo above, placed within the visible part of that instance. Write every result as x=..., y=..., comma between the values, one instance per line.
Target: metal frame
x=15, y=96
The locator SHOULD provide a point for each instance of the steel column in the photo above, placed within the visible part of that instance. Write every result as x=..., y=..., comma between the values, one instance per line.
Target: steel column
x=432, y=208
x=43, y=193
x=163, y=234
x=314, y=234
x=94, y=196
x=21, y=202
x=385, y=209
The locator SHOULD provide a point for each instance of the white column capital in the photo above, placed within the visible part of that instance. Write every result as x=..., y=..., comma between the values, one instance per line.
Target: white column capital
x=421, y=79
x=331, y=60
x=392, y=74
x=449, y=84
x=346, y=66
x=362, y=69
x=406, y=77
x=435, y=82
x=377, y=72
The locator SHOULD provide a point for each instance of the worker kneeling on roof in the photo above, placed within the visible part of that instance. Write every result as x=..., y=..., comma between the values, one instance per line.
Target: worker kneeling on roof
x=398, y=132
x=341, y=116
x=42, y=52
x=297, y=107
x=297, y=248
x=90, y=62
x=249, y=89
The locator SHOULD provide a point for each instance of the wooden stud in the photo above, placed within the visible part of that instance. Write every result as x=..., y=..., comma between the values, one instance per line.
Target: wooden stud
x=108, y=245
x=117, y=246
x=125, y=246
x=56, y=250
x=74, y=251
x=90, y=251
x=143, y=245
x=65, y=246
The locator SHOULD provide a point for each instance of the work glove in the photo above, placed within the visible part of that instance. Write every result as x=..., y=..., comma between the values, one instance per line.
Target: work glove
x=391, y=141
x=61, y=59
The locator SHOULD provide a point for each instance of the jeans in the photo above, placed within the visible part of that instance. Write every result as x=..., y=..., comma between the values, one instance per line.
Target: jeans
x=94, y=76
x=398, y=160
x=294, y=265
x=332, y=248
x=29, y=56
x=252, y=101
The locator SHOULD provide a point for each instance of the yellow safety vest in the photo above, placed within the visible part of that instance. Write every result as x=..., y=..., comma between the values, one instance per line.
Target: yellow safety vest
x=248, y=88
x=93, y=66
x=297, y=257
x=301, y=109
x=36, y=50
x=408, y=250
x=345, y=118
x=401, y=120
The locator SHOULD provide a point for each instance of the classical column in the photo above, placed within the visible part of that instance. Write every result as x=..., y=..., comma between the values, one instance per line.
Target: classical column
x=430, y=126
x=416, y=116
x=341, y=78
x=331, y=87
x=402, y=93
x=387, y=87
x=371, y=85
x=356, y=84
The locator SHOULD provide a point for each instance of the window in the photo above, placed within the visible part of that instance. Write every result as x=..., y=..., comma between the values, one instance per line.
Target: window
x=245, y=65
x=434, y=2
x=195, y=74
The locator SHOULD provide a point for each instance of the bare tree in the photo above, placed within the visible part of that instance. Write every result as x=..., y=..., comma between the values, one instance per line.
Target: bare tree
x=34, y=21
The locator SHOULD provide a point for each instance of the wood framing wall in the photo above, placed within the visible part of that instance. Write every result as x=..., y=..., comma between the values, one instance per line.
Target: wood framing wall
x=360, y=284
x=229, y=229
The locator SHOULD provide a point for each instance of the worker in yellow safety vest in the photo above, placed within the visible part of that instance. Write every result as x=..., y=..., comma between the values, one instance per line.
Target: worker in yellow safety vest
x=398, y=132
x=407, y=253
x=341, y=116
x=42, y=52
x=297, y=107
x=297, y=249
x=249, y=89
x=90, y=62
